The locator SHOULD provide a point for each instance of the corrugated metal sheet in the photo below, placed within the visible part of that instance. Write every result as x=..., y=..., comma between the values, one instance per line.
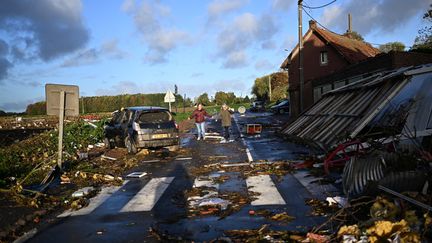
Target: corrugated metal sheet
x=342, y=113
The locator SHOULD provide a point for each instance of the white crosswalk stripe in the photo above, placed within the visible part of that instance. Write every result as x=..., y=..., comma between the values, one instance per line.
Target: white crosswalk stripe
x=268, y=193
x=148, y=196
x=95, y=202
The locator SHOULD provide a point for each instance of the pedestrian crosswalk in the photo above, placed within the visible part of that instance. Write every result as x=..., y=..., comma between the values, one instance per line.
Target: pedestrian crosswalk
x=148, y=196
x=262, y=187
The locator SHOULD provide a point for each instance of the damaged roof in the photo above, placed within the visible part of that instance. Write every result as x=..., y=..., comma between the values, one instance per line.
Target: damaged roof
x=340, y=115
x=352, y=50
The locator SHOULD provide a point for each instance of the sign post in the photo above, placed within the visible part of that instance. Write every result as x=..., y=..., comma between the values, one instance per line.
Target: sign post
x=169, y=97
x=61, y=100
x=60, y=136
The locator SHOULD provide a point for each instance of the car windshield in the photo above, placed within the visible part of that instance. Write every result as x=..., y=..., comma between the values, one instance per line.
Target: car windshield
x=154, y=117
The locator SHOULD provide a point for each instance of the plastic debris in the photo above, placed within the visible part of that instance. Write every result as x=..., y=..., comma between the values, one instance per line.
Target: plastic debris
x=136, y=174
x=223, y=204
x=338, y=201
x=83, y=192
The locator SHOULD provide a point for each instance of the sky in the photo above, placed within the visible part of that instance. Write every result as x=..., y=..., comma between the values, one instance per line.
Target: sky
x=145, y=46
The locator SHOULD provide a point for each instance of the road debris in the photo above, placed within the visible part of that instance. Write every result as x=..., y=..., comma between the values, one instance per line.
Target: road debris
x=337, y=200
x=136, y=174
x=108, y=157
x=264, y=234
x=83, y=192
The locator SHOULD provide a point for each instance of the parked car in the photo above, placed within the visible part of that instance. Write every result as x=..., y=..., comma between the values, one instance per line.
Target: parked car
x=258, y=105
x=142, y=127
x=281, y=107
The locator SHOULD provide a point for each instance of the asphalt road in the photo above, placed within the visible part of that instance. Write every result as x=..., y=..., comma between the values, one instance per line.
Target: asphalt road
x=125, y=213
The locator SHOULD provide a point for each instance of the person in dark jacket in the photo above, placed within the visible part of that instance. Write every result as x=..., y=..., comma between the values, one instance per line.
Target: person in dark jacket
x=199, y=114
x=225, y=116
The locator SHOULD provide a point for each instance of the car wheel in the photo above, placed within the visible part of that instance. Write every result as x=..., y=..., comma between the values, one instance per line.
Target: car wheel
x=107, y=143
x=173, y=148
x=119, y=141
x=130, y=145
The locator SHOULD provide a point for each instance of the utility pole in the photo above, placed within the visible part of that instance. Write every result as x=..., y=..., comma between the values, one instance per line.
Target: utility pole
x=300, y=36
x=82, y=104
x=270, y=87
x=184, y=103
x=349, y=23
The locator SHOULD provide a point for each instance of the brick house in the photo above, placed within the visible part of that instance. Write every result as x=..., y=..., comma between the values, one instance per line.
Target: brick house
x=370, y=66
x=324, y=53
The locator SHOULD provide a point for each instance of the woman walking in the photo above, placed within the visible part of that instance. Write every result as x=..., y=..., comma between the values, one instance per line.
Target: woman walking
x=225, y=116
x=200, y=114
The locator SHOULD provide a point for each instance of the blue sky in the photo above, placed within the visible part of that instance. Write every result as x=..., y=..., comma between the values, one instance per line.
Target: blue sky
x=144, y=46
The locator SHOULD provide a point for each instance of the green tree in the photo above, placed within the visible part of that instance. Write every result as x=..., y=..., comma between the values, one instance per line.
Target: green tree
x=221, y=97
x=279, y=84
x=246, y=99
x=392, y=46
x=354, y=35
x=423, y=41
x=203, y=99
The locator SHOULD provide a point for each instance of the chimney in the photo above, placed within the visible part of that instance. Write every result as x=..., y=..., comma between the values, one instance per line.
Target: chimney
x=312, y=24
x=349, y=23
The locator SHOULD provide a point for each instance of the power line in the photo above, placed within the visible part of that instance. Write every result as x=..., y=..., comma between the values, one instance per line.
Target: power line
x=317, y=7
x=375, y=44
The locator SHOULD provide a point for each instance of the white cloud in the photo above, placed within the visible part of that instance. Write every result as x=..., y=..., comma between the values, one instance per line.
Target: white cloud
x=263, y=64
x=245, y=31
x=219, y=8
x=108, y=49
x=160, y=40
x=283, y=5
x=236, y=59
x=372, y=15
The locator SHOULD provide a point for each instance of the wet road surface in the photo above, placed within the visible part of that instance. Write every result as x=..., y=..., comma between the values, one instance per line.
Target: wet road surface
x=125, y=213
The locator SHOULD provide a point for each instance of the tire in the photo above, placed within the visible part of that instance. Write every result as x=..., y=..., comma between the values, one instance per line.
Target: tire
x=119, y=142
x=173, y=148
x=107, y=143
x=130, y=145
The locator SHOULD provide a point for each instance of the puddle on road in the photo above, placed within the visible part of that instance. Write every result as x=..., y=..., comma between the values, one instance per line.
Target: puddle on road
x=235, y=184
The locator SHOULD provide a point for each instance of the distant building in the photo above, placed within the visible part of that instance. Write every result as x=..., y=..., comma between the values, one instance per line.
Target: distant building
x=324, y=53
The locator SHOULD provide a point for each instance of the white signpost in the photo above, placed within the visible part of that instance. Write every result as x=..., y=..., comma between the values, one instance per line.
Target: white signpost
x=61, y=100
x=169, y=97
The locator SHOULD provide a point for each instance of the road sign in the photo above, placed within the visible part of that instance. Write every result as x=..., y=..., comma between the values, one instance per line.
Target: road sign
x=61, y=100
x=242, y=110
x=169, y=97
x=71, y=96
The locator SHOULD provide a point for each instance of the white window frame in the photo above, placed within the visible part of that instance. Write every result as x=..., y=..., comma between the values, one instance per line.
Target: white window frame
x=323, y=58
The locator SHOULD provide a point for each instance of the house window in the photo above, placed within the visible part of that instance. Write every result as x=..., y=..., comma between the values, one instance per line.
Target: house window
x=323, y=58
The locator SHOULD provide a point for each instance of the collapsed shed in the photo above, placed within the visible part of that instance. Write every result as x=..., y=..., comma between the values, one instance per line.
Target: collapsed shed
x=397, y=102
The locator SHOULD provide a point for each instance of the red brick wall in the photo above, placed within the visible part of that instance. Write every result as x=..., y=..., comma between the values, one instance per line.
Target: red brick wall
x=313, y=69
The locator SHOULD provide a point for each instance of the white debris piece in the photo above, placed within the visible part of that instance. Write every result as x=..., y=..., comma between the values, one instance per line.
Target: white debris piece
x=83, y=192
x=339, y=201
x=137, y=174
x=215, y=201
